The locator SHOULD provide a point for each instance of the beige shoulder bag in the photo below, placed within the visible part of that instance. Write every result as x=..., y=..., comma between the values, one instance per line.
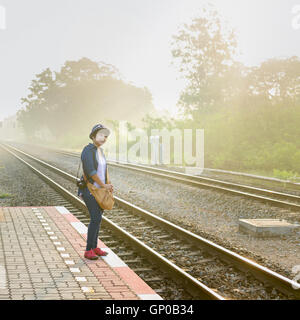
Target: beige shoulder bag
x=103, y=196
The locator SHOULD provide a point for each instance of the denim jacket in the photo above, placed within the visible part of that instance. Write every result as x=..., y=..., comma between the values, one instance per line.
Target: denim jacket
x=90, y=163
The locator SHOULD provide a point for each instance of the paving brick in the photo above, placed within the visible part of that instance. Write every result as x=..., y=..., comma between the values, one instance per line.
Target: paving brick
x=3, y=291
x=44, y=273
x=29, y=297
x=17, y=297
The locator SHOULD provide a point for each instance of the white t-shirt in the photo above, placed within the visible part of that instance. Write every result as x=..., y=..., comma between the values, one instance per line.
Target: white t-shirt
x=101, y=167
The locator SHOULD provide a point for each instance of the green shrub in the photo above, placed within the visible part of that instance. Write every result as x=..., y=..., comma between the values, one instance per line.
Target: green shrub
x=284, y=174
x=5, y=195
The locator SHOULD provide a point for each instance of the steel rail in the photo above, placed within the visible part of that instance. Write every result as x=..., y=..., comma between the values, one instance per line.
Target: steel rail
x=219, y=171
x=258, y=194
x=262, y=273
x=192, y=285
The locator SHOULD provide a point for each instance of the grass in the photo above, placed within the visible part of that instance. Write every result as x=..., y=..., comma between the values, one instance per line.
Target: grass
x=5, y=195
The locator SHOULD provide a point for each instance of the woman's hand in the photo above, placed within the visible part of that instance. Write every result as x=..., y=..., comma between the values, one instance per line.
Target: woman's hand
x=109, y=187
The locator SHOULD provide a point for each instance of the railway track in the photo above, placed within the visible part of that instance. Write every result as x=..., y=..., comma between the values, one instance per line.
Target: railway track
x=206, y=269
x=256, y=177
x=275, y=198
x=280, y=199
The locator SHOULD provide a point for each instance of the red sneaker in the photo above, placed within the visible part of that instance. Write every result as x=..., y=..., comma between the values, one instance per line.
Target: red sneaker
x=90, y=255
x=100, y=252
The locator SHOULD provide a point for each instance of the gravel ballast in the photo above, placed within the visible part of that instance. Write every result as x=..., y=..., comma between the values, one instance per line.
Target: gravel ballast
x=208, y=213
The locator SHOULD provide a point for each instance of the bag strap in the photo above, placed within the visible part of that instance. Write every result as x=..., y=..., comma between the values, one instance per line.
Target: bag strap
x=108, y=181
x=78, y=169
x=84, y=177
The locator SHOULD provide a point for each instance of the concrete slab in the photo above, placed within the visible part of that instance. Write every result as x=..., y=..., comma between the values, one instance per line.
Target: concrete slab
x=266, y=227
x=194, y=170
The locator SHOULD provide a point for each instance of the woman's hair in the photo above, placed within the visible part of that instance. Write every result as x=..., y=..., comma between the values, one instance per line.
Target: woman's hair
x=93, y=135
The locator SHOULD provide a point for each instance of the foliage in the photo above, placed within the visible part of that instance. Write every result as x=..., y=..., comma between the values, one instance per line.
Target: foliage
x=66, y=104
x=250, y=115
x=5, y=195
x=285, y=175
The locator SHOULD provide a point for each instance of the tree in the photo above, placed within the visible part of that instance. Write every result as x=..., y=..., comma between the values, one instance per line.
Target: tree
x=205, y=51
x=33, y=111
x=81, y=94
x=276, y=80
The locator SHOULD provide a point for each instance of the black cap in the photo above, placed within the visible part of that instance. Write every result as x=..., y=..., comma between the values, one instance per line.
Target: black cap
x=98, y=127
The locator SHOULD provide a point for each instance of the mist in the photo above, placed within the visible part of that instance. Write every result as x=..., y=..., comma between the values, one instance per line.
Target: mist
x=66, y=67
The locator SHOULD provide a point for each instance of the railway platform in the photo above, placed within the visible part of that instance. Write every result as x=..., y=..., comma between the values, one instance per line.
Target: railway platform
x=41, y=258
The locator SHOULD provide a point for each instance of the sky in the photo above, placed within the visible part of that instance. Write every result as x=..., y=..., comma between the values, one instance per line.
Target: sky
x=133, y=35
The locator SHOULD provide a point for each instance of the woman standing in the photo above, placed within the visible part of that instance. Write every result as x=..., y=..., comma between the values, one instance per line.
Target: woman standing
x=95, y=171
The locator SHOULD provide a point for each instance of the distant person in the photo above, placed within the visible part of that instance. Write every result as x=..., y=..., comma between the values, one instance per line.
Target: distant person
x=95, y=170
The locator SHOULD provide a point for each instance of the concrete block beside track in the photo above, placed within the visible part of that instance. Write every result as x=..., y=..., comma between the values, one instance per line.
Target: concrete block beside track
x=266, y=227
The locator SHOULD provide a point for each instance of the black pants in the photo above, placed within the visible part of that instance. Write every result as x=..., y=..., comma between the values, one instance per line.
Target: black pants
x=95, y=219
